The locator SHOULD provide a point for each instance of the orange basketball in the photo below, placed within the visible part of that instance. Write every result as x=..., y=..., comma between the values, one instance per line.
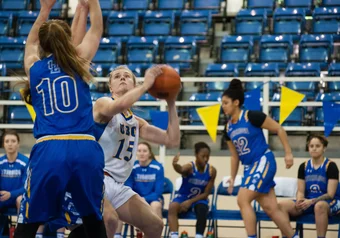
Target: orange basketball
x=166, y=85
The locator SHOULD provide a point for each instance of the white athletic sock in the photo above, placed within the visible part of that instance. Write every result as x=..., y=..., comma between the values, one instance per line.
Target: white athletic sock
x=173, y=234
x=296, y=236
x=118, y=235
x=199, y=236
x=60, y=234
x=39, y=235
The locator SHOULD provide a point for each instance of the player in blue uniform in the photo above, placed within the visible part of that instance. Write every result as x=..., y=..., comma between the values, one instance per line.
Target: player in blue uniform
x=247, y=144
x=13, y=166
x=197, y=182
x=66, y=151
x=147, y=180
x=318, y=192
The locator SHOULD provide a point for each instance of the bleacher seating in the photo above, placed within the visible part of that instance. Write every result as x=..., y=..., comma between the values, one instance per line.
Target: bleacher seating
x=276, y=49
x=108, y=4
x=195, y=23
x=262, y=70
x=331, y=3
x=307, y=88
x=57, y=7
x=236, y=49
x=303, y=4
x=12, y=52
x=262, y=4
x=6, y=21
x=171, y=5
x=296, y=118
x=109, y=52
x=158, y=23
x=221, y=70
x=250, y=22
x=135, y=4
x=122, y=23
x=303, y=70
x=326, y=20
x=14, y=5
x=142, y=50
x=212, y=5
x=289, y=22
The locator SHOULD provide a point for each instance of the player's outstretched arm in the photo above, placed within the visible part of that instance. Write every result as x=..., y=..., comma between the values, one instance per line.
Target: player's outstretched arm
x=89, y=46
x=31, y=48
x=171, y=137
x=78, y=27
x=181, y=169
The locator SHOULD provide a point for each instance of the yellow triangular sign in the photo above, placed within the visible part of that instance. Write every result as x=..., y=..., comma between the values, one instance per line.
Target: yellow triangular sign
x=209, y=116
x=29, y=107
x=289, y=101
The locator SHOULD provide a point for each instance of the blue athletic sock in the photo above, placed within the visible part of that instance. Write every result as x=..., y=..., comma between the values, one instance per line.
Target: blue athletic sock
x=199, y=236
x=296, y=235
x=118, y=235
x=252, y=236
x=39, y=235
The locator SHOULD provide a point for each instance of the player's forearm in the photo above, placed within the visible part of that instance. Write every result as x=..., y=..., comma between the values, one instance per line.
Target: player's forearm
x=33, y=36
x=300, y=196
x=173, y=132
x=79, y=23
x=202, y=196
x=234, y=164
x=323, y=197
x=96, y=17
x=284, y=140
x=177, y=168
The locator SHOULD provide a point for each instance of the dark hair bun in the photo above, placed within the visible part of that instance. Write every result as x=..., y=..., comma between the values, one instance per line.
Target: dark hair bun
x=235, y=84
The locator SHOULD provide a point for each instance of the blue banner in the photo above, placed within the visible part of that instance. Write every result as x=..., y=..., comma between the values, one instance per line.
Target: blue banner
x=252, y=99
x=159, y=119
x=331, y=114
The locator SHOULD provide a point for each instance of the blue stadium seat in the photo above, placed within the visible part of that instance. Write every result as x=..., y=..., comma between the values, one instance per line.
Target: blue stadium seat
x=12, y=52
x=108, y=4
x=262, y=70
x=6, y=21
x=331, y=3
x=334, y=69
x=195, y=23
x=221, y=70
x=250, y=22
x=334, y=86
x=194, y=118
x=122, y=23
x=171, y=5
x=18, y=115
x=316, y=48
x=289, y=22
x=158, y=23
x=147, y=97
x=303, y=70
x=216, y=86
x=236, y=49
x=303, y=4
x=180, y=50
x=108, y=52
x=213, y=96
x=135, y=4
x=25, y=22
x=276, y=49
x=307, y=88
x=264, y=4
x=14, y=5
x=326, y=20
x=57, y=7
x=319, y=117
x=3, y=70
x=333, y=96
x=142, y=49
x=296, y=118
x=207, y=4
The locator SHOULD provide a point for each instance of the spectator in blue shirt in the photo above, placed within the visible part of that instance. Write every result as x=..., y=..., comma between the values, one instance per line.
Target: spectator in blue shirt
x=13, y=167
x=147, y=180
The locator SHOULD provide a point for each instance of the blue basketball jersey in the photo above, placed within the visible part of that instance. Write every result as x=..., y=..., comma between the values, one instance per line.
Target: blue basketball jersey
x=316, y=179
x=62, y=103
x=195, y=183
x=248, y=139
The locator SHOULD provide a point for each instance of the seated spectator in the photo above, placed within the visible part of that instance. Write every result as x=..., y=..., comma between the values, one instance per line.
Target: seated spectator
x=146, y=179
x=198, y=182
x=318, y=180
x=13, y=166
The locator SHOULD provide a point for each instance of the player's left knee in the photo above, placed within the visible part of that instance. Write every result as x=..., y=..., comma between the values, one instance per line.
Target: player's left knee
x=111, y=218
x=321, y=207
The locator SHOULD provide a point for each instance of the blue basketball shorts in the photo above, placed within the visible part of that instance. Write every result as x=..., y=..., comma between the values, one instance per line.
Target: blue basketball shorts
x=259, y=176
x=58, y=164
x=182, y=198
x=334, y=207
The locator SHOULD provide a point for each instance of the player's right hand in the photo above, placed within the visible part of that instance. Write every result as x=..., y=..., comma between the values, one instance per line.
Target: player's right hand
x=151, y=75
x=176, y=159
x=289, y=160
x=231, y=185
x=48, y=4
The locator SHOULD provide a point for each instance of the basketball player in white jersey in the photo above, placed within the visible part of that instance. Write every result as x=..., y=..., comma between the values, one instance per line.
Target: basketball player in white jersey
x=118, y=131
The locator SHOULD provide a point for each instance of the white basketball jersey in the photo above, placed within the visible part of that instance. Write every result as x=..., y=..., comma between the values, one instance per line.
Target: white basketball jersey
x=119, y=142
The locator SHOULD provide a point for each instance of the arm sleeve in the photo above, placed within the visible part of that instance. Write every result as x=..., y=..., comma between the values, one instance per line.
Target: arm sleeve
x=129, y=182
x=332, y=171
x=159, y=187
x=256, y=118
x=301, y=173
x=225, y=134
x=17, y=192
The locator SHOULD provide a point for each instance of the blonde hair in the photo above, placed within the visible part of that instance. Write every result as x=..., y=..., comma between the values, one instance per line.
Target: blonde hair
x=127, y=69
